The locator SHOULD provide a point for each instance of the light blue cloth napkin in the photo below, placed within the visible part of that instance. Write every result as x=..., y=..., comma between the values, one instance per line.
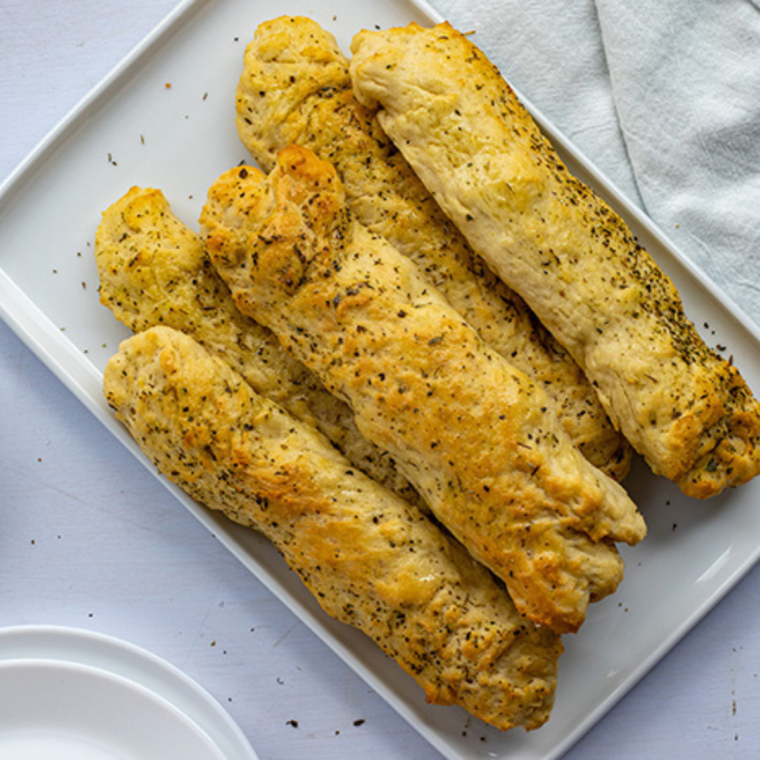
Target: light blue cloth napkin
x=663, y=97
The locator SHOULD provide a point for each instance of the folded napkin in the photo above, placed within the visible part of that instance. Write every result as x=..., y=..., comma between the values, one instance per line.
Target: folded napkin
x=664, y=98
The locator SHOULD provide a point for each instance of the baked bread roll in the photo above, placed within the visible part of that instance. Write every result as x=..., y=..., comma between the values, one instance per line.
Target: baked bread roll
x=369, y=558
x=457, y=122
x=295, y=89
x=154, y=270
x=476, y=437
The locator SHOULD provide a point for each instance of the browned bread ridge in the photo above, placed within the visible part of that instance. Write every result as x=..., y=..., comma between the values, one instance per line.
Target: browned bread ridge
x=477, y=438
x=369, y=558
x=459, y=124
x=295, y=89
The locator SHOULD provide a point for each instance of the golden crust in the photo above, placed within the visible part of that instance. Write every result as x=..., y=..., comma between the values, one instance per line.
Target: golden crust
x=369, y=558
x=295, y=89
x=154, y=270
x=458, y=123
x=476, y=437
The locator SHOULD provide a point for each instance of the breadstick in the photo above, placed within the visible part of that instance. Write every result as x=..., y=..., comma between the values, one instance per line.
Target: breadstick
x=476, y=437
x=446, y=107
x=369, y=558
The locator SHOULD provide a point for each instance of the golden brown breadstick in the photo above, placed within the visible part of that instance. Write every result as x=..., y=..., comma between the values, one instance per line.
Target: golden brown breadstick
x=477, y=438
x=578, y=266
x=370, y=559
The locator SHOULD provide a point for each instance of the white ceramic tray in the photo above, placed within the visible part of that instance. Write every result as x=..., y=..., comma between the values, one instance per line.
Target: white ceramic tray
x=134, y=129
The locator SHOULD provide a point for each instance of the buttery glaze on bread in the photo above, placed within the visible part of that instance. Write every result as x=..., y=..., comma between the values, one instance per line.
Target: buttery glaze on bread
x=447, y=108
x=477, y=438
x=154, y=270
x=295, y=88
x=369, y=558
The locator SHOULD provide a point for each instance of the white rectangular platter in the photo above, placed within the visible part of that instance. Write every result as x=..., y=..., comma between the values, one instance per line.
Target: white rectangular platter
x=165, y=118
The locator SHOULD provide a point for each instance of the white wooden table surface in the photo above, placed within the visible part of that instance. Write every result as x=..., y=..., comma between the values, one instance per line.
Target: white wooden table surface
x=88, y=540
